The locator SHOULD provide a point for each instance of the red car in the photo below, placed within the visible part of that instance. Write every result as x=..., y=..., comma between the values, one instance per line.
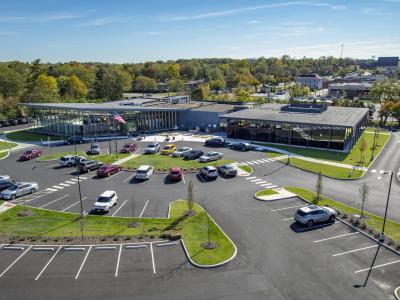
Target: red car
x=128, y=148
x=28, y=155
x=108, y=170
x=175, y=174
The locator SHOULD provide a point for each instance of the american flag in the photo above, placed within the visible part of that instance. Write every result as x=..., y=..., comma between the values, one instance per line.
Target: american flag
x=118, y=118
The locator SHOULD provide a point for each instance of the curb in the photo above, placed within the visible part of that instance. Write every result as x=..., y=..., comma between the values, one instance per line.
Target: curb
x=259, y=199
x=8, y=154
x=248, y=174
x=360, y=231
x=397, y=291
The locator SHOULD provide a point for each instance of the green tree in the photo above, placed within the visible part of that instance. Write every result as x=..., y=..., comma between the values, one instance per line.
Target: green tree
x=12, y=83
x=363, y=192
x=217, y=85
x=201, y=93
x=45, y=89
x=188, y=70
x=362, y=146
x=76, y=89
x=190, y=199
x=176, y=85
x=145, y=84
x=318, y=188
x=173, y=71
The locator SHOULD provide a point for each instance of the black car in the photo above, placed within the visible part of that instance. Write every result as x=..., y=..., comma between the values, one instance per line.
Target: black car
x=72, y=140
x=5, y=185
x=89, y=165
x=192, y=154
x=241, y=146
x=215, y=142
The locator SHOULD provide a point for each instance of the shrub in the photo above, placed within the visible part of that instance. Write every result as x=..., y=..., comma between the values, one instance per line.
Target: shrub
x=344, y=216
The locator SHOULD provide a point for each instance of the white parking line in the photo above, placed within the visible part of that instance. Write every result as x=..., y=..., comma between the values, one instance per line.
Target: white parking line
x=381, y=171
x=355, y=250
x=54, y=201
x=260, y=161
x=53, y=165
x=71, y=206
x=272, y=186
x=152, y=258
x=128, y=178
x=266, y=160
x=71, y=182
x=108, y=178
x=34, y=198
x=183, y=178
x=119, y=257
x=244, y=164
x=261, y=182
x=289, y=207
x=255, y=180
x=143, y=209
x=287, y=219
x=44, y=268
x=51, y=190
x=375, y=267
x=57, y=187
x=118, y=208
x=15, y=261
x=223, y=179
x=74, y=179
x=255, y=162
x=336, y=237
x=250, y=163
x=373, y=171
x=202, y=179
x=83, y=262
x=267, y=184
x=64, y=184
x=249, y=178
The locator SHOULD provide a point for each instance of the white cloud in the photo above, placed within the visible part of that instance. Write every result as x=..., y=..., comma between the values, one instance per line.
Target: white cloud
x=38, y=19
x=230, y=12
x=375, y=12
x=98, y=22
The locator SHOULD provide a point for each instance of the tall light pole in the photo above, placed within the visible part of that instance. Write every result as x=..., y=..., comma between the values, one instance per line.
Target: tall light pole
x=79, y=181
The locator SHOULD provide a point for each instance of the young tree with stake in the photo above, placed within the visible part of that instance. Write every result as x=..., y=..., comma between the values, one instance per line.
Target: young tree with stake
x=363, y=192
x=318, y=188
x=189, y=199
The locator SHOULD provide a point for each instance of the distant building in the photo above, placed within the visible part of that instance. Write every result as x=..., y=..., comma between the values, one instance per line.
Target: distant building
x=388, y=65
x=194, y=84
x=313, y=81
x=349, y=89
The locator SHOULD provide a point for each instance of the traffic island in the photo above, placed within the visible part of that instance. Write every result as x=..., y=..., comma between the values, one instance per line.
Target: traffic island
x=41, y=226
x=273, y=194
x=397, y=293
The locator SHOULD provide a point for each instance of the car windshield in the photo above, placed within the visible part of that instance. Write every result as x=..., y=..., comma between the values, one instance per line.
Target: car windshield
x=104, y=168
x=103, y=199
x=175, y=172
x=127, y=146
x=167, y=147
x=151, y=146
x=63, y=158
x=141, y=171
x=182, y=149
x=28, y=152
x=13, y=187
x=301, y=213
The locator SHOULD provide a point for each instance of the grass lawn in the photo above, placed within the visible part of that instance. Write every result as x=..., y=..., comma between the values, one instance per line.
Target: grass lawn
x=266, y=192
x=351, y=158
x=165, y=162
x=3, y=154
x=398, y=292
x=327, y=170
x=27, y=136
x=104, y=158
x=7, y=145
x=392, y=228
x=45, y=223
x=246, y=169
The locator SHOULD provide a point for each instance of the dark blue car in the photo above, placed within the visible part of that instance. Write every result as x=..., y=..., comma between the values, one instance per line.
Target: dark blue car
x=215, y=142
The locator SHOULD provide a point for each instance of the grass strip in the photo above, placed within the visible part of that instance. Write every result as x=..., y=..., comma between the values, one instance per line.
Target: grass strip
x=392, y=228
x=266, y=192
x=246, y=169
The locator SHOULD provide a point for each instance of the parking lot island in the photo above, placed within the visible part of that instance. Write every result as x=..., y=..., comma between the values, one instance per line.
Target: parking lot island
x=33, y=225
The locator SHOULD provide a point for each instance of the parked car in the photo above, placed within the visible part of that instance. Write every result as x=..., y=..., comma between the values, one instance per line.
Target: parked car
x=94, y=149
x=74, y=140
x=4, y=178
x=175, y=174
x=106, y=201
x=5, y=185
x=311, y=214
x=180, y=151
x=209, y=172
x=31, y=154
x=227, y=170
x=71, y=160
x=22, y=121
x=168, y=149
x=108, y=170
x=152, y=148
x=215, y=142
x=211, y=156
x=193, y=154
x=13, y=122
x=89, y=165
x=128, y=148
x=241, y=146
x=144, y=172
x=19, y=189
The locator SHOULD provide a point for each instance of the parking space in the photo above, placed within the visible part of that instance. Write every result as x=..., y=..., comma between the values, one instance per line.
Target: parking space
x=136, y=261
x=169, y=258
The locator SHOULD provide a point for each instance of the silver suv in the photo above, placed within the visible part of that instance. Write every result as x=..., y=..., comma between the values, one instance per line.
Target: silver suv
x=311, y=214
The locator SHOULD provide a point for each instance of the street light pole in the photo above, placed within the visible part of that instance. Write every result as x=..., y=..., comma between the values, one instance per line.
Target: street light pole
x=79, y=181
x=289, y=142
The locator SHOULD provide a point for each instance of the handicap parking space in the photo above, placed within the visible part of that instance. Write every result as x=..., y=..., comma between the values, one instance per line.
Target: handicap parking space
x=169, y=258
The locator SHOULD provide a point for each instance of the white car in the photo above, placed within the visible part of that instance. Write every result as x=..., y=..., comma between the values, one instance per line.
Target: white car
x=211, y=156
x=144, y=172
x=152, y=148
x=106, y=201
x=69, y=160
x=181, y=151
x=19, y=189
x=4, y=178
x=209, y=172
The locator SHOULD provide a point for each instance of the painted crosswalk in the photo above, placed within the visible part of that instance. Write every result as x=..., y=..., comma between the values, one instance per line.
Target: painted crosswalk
x=64, y=184
x=261, y=182
x=256, y=162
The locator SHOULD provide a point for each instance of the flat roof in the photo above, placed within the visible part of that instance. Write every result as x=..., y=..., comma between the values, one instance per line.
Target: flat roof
x=333, y=116
x=214, y=107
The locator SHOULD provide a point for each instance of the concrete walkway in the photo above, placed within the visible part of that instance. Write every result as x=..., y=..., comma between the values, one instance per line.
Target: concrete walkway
x=125, y=159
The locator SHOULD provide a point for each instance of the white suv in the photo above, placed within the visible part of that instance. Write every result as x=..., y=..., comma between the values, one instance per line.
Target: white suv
x=311, y=214
x=69, y=160
x=144, y=172
x=106, y=201
x=152, y=148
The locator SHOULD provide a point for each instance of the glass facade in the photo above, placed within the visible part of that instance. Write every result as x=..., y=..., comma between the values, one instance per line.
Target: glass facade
x=99, y=123
x=307, y=135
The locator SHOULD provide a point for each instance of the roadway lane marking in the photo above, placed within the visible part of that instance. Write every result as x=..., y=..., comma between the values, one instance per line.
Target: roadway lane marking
x=244, y=164
x=51, y=190
x=83, y=262
x=183, y=178
x=64, y=184
x=266, y=160
x=272, y=186
x=289, y=207
x=118, y=208
x=267, y=184
x=119, y=257
x=249, y=178
x=57, y=187
x=15, y=261
x=255, y=162
x=287, y=219
x=143, y=209
x=336, y=237
x=83, y=177
x=378, y=266
x=152, y=258
x=128, y=178
x=223, y=179
x=44, y=268
x=381, y=172
x=71, y=182
x=355, y=250
x=260, y=161
x=109, y=177
x=249, y=163
x=261, y=182
x=202, y=179
x=53, y=165
x=54, y=201
x=379, y=177
x=255, y=180
x=74, y=179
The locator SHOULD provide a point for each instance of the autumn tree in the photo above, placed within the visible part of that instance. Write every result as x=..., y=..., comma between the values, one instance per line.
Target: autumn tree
x=76, y=89
x=45, y=89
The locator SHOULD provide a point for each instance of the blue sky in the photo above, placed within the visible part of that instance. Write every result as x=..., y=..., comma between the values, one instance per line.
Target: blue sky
x=136, y=31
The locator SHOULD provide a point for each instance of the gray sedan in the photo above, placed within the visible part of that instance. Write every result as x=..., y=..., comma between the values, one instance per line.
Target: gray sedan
x=19, y=189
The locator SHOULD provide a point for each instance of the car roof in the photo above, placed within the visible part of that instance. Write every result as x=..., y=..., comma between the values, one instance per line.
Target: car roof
x=107, y=193
x=310, y=208
x=144, y=167
x=210, y=168
x=169, y=145
x=212, y=152
x=176, y=169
